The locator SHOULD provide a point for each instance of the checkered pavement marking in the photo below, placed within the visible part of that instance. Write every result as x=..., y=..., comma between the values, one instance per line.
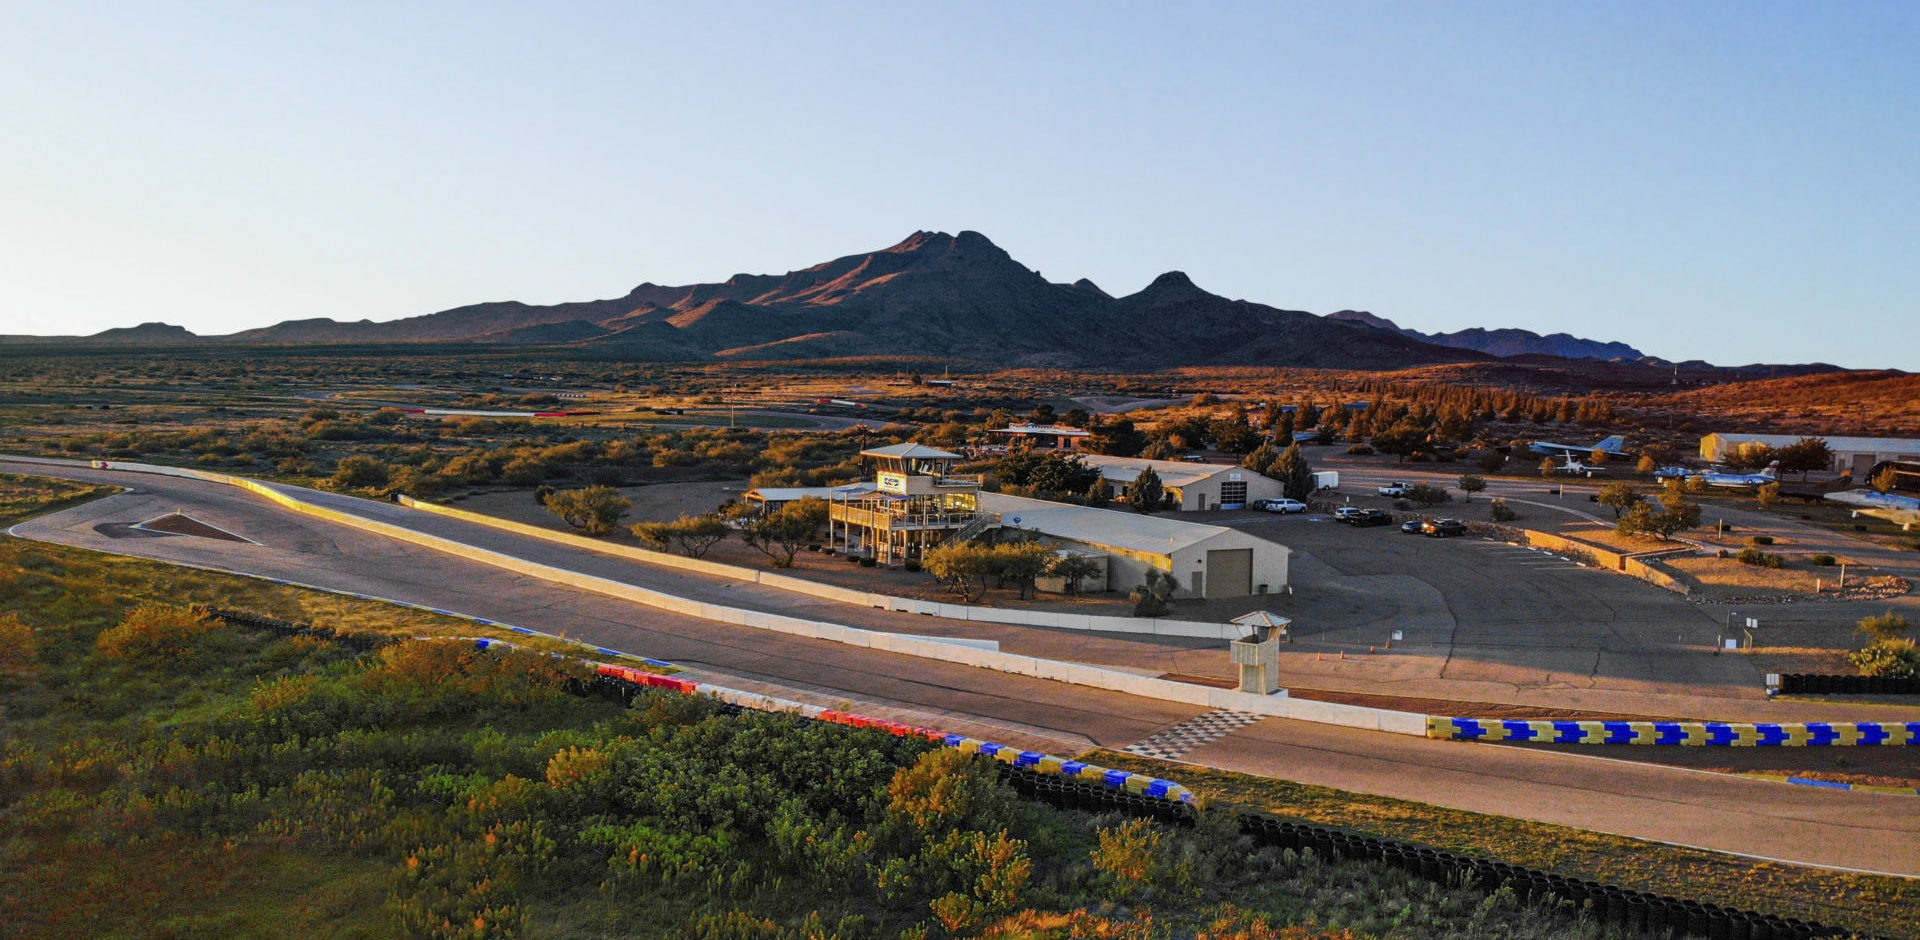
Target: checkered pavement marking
x=1192, y=733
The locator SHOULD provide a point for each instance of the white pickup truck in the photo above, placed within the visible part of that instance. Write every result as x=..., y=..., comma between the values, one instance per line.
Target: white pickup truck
x=1394, y=489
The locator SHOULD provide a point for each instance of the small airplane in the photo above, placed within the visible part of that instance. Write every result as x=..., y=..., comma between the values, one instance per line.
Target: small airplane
x=1762, y=478
x=1902, y=510
x=1574, y=466
x=1615, y=446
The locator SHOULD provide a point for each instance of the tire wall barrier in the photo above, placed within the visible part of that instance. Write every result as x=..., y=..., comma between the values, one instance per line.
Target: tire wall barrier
x=1686, y=733
x=839, y=594
x=1631, y=912
x=1848, y=685
x=1279, y=706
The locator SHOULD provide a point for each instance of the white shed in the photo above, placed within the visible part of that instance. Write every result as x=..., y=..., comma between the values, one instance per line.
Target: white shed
x=1208, y=560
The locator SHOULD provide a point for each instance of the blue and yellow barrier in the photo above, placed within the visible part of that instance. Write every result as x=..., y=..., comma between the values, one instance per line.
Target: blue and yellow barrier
x=1685, y=733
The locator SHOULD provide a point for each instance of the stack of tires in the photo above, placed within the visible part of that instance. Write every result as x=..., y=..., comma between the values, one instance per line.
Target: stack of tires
x=1810, y=684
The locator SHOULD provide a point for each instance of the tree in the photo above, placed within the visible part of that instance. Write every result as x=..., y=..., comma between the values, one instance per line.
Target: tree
x=780, y=534
x=693, y=535
x=1620, y=496
x=1426, y=495
x=1883, y=481
x=1768, y=494
x=1598, y=456
x=1072, y=569
x=1492, y=461
x=1096, y=494
x=1401, y=440
x=1233, y=434
x=1647, y=465
x=1471, y=484
x=1145, y=492
x=962, y=567
x=1805, y=455
x=1117, y=437
x=1259, y=460
x=1075, y=418
x=1293, y=472
x=1547, y=466
x=1020, y=563
x=1042, y=413
x=1674, y=515
x=594, y=510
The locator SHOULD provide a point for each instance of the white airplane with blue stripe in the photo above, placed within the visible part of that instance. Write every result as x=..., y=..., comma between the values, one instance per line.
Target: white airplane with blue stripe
x=1615, y=446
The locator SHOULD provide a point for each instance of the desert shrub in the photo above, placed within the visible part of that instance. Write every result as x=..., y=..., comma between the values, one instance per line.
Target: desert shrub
x=18, y=648
x=1360, y=450
x=361, y=472
x=1499, y=511
x=1760, y=540
x=156, y=631
x=1883, y=628
x=1823, y=560
x=594, y=510
x=1759, y=559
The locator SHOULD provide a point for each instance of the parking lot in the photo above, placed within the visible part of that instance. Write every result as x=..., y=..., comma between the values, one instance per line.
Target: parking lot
x=1476, y=618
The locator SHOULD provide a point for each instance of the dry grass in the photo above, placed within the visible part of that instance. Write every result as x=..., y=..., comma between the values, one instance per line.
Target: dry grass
x=1875, y=904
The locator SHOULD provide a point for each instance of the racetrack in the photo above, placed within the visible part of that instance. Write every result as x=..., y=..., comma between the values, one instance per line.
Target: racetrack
x=1854, y=830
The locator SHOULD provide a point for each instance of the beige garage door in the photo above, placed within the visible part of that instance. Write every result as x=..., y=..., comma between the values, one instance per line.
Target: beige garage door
x=1230, y=572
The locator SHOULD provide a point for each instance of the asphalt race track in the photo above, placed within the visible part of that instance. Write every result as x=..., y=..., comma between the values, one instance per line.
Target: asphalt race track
x=1859, y=830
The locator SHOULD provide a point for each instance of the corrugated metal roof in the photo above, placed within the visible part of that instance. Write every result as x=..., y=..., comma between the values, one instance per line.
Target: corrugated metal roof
x=909, y=450
x=1104, y=527
x=1876, y=444
x=1171, y=472
x=1048, y=429
x=787, y=494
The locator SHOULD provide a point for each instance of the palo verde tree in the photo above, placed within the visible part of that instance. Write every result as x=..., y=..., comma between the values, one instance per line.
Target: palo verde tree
x=1471, y=484
x=780, y=534
x=1619, y=496
x=691, y=535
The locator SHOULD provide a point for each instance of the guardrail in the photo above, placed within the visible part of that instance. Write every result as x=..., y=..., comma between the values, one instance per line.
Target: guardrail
x=1686, y=733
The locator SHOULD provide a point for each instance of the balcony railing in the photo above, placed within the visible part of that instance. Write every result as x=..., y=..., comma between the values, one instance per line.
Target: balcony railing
x=961, y=479
x=904, y=518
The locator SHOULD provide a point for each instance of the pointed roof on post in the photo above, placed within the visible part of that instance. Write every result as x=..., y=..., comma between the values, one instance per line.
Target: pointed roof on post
x=1262, y=624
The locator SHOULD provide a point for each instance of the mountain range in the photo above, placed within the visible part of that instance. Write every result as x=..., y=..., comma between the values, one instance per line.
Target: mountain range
x=933, y=294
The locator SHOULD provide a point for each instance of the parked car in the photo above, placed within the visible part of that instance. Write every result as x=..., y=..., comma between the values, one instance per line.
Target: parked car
x=1443, y=528
x=1414, y=526
x=1394, y=489
x=1346, y=513
x=1280, y=505
x=1371, y=517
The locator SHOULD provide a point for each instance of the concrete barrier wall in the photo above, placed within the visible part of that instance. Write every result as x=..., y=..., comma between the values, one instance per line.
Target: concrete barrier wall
x=1684, y=733
x=1038, y=618
x=1057, y=670
x=1617, y=561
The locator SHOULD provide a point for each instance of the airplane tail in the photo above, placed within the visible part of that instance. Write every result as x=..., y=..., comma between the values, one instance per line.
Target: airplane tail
x=1612, y=445
x=1772, y=469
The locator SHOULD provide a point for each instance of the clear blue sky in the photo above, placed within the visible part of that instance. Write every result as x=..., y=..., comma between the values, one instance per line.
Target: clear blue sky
x=1732, y=181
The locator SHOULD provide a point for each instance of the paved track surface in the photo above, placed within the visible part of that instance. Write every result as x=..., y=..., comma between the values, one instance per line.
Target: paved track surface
x=1854, y=830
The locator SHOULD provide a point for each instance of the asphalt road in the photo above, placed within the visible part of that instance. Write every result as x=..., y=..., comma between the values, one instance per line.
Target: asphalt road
x=1836, y=828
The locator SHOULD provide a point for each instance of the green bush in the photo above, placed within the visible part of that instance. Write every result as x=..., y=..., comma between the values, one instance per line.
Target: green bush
x=1824, y=561
x=1760, y=540
x=1759, y=559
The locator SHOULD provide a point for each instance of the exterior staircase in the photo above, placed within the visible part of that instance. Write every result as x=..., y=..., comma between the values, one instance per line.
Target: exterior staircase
x=973, y=530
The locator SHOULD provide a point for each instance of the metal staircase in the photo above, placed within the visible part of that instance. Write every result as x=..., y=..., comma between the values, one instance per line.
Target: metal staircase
x=973, y=530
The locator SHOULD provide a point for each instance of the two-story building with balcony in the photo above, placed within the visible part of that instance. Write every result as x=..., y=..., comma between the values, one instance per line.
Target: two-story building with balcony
x=916, y=502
